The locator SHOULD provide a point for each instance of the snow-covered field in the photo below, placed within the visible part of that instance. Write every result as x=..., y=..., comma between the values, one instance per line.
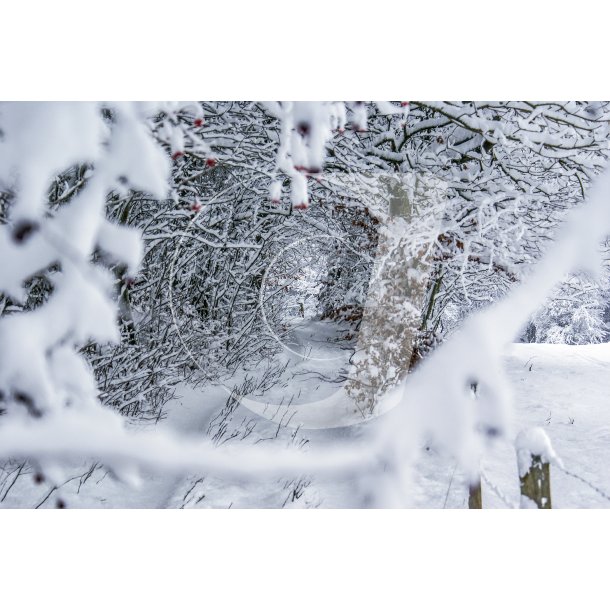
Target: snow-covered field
x=563, y=389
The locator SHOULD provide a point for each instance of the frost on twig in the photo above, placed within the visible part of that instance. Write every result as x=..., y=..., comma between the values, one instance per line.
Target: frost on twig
x=50, y=401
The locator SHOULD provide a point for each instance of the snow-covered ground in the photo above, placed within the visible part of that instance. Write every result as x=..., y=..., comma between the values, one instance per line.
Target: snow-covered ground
x=563, y=389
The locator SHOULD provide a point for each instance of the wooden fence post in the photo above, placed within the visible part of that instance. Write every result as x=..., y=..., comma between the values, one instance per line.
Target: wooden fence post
x=536, y=483
x=534, y=454
x=475, y=499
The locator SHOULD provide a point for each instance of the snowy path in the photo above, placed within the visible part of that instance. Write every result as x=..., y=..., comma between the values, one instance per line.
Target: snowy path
x=317, y=359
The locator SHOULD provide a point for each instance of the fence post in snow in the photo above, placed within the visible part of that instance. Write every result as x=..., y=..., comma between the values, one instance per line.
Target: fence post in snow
x=534, y=456
x=474, y=495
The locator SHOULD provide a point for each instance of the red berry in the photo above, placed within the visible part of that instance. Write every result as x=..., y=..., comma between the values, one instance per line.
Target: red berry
x=198, y=122
x=38, y=478
x=196, y=206
x=177, y=155
x=23, y=230
x=301, y=206
x=404, y=104
x=210, y=162
x=303, y=128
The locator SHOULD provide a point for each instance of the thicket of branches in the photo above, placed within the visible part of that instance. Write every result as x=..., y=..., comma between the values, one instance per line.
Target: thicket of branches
x=212, y=225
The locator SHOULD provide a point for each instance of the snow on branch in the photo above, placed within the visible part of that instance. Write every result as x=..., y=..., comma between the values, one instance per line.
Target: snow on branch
x=437, y=400
x=458, y=396
x=103, y=436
